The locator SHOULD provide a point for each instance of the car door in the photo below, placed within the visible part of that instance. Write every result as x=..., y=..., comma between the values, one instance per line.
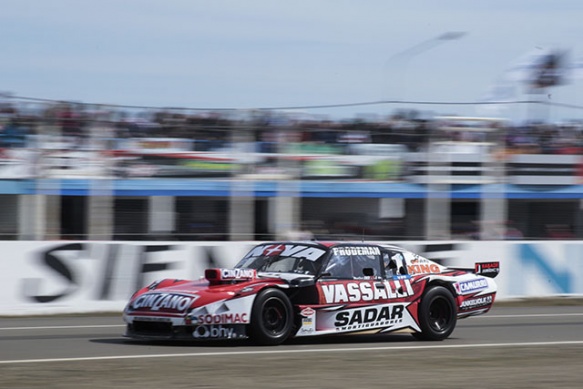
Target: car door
x=356, y=292
x=353, y=274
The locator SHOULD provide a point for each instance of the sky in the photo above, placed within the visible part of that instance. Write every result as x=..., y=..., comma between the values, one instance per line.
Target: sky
x=274, y=53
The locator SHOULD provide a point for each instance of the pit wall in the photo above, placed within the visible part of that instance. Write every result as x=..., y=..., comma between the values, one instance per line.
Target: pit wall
x=80, y=277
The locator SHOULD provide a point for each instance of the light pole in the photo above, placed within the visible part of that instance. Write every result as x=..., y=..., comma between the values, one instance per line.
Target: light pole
x=437, y=217
x=401, y=60
x=429, y=44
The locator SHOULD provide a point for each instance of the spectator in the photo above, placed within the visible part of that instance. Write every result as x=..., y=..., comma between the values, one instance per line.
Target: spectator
x=512, y=233
x=559, y=231
x=14, y=134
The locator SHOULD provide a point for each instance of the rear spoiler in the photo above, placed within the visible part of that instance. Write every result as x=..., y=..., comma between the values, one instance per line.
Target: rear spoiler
x=486, y=269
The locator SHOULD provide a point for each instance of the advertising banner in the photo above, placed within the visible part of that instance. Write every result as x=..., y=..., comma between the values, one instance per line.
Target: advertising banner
x=81, y=277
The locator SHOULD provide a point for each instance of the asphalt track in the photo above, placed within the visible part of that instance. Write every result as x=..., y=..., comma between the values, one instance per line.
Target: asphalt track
x=510, y=347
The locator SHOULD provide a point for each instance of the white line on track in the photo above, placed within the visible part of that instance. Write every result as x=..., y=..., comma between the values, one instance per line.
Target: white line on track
x=293, y=351
x=64, y=327
x=486, y=316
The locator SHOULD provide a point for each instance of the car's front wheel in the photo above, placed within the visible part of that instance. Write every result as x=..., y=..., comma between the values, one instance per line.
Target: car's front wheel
x=437, y=314
x=271, y=318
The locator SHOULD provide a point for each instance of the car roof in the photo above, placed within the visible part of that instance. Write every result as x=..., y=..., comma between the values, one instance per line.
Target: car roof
x=329, y=244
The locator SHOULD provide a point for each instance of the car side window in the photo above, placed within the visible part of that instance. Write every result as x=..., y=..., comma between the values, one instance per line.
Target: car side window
x=354, y=262
x=394, y=263
x=339, y=266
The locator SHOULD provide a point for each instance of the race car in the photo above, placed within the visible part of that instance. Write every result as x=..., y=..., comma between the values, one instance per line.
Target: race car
x=282, y=290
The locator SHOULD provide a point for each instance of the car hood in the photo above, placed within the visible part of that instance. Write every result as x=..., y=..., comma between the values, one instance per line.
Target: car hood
x=177, y=297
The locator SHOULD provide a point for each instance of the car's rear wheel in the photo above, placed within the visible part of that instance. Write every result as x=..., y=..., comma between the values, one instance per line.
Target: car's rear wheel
x=437, y=314
x=271, y=318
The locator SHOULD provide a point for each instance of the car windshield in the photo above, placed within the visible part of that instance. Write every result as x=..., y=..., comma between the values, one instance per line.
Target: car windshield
x=283, y=258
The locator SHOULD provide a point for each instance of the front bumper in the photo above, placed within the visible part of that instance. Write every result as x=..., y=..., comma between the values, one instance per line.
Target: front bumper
x=166, y=330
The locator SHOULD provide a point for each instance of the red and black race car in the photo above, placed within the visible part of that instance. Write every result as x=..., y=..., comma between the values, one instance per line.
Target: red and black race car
x=281, y=290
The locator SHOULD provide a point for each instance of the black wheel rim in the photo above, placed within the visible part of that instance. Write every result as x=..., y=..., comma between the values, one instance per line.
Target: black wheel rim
x=440, y=314
x=274, y=316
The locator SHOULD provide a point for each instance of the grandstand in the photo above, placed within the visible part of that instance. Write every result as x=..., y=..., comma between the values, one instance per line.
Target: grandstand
x=76, y=171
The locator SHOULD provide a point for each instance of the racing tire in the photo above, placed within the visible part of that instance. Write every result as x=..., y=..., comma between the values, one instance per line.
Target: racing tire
x=437, y=314
x=271, y=318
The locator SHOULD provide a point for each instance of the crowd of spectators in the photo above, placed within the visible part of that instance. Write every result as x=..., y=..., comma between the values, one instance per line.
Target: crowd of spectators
x=209, y=130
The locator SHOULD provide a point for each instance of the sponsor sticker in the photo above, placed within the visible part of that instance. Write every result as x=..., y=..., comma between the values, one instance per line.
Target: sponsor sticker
x=273, y=250
x=208, y=332
x=423, y=268
x=165, y=301
x=287, y=250
x=363, y=291
x=488, y=268
x=308, y=320
x=357, y=250
x=477, y=302
x=223, y=318
x=231, y=312
x=360, y=318
x=235, y=274
x=465, y=287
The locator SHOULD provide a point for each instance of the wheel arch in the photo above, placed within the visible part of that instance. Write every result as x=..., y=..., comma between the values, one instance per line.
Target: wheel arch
x=296, y=317
x=446, y=284
x=438, y=324
x=257, y=332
